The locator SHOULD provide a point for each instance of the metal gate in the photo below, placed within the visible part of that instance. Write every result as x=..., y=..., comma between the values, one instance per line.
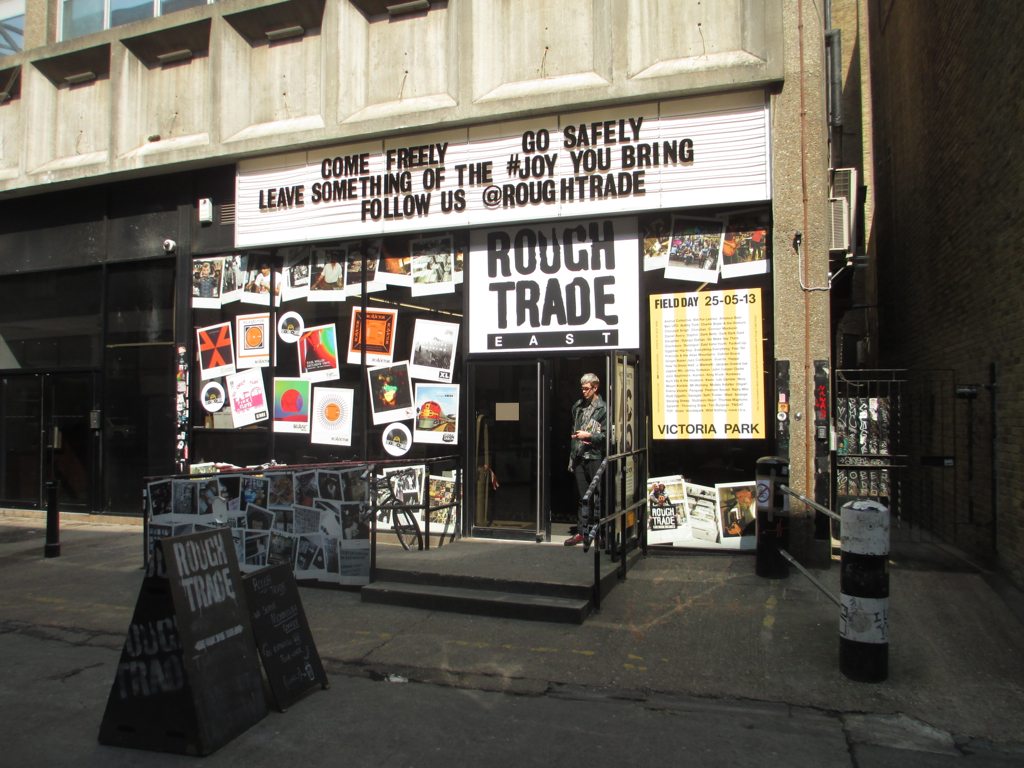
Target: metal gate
x=895, y=443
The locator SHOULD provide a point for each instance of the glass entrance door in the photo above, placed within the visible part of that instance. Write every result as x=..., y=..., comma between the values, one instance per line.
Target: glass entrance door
x=46, y=434
x=510, y=482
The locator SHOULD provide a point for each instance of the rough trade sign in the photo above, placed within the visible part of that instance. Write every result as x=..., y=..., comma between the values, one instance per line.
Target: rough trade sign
x=556, y=286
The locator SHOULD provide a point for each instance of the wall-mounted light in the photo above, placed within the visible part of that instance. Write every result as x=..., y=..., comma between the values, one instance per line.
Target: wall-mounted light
x=167, y=58
x=81, y=77
x=281, y=34
x=414, y=5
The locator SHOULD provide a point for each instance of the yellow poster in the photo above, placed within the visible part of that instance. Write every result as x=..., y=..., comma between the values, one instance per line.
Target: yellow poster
x=708, y=365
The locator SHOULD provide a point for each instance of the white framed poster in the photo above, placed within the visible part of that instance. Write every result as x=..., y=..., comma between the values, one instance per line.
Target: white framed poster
x=380, y=336
x=216, y=351
x=437, y=414
x=695, y=249
x=332, y=416
x=291, y=405
x=318, y=353
x=433, y=350
x=206, y=283
x=391, y=395
x=561, y=286
x=248, y=397
x=254, y=340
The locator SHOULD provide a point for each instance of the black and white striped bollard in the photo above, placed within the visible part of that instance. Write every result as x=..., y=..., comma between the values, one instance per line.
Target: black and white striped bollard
x=864, y=592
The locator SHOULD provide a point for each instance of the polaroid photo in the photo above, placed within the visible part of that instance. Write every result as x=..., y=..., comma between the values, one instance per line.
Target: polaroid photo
x=206, y=283
x=310, y=561
x=284, y=520
x=391, y=396
x=745, y=248
x=433, y=266
x=331, y=572
x=737, y=514
x=254, y=340
x=460, y=263
x=327, y=274
x=353, y=485
x=282, y=490
x=318, y=353
x=209, y=498
x=238, y=539
x=307, y=488
x=695, y=252
x=657, y=238
x=231, y=488
x=353, y=565
x=441, y=491
x=433, y=350
x=233, y=278
x=257, y=545
x=295, y=278
x=329, y=484
x=407, y=483
x=306, y=519
x=185, y=498
x=381, y=325
x=248, y=397
x=331, y=419
x=395, y=266
x=161, y=496
x=258, y=281
x=437, y=414
x=254, y=491
x=258, y=518
x=357, y=252
x=702, y=506
x=355, y=526
x=292, y=403
x=216, y=351
x=282, y=548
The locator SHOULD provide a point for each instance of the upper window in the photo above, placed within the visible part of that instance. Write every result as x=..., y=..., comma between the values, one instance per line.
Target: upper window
x=12, y=26
x=83, y=17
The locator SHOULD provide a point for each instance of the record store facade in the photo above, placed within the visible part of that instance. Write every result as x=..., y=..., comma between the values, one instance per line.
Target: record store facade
x=190, y=248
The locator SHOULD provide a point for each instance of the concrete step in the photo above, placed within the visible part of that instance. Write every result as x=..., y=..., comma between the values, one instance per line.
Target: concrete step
x=479, y=602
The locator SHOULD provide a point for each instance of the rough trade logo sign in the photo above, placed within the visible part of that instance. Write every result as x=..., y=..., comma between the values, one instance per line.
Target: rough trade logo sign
x=564, y=285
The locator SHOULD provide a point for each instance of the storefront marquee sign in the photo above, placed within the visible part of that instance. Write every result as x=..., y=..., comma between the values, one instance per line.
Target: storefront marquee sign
x=562, y=285
x=707, y=150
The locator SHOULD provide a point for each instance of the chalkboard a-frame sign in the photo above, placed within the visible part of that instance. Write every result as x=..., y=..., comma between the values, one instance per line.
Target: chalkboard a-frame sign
x=189, y=678
x=282, y=633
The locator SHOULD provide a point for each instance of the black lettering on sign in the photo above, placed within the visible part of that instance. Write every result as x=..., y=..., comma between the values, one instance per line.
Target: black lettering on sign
x=282, y=633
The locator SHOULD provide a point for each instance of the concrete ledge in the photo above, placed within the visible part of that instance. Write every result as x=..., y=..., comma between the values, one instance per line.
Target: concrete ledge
x=74, y=517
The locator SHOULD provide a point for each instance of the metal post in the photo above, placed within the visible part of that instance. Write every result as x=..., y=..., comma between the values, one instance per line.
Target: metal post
x=597, y=559
x=52, y=548
x=864, y=592
x=772, y=517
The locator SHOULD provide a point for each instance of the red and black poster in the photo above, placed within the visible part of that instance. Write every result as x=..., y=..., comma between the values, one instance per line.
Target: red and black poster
x=216, y=351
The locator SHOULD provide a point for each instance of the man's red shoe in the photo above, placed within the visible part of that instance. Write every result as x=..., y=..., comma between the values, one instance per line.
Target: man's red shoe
x=572, y=541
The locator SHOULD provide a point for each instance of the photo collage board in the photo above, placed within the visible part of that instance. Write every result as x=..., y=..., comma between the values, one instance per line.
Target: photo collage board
x=318, y=520
x=292, y=363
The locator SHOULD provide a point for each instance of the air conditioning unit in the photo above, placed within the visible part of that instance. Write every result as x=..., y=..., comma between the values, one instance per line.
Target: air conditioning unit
x=839, y=224
x=844, y=187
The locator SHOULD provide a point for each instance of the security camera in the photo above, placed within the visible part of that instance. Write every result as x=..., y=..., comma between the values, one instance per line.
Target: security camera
x=170, y=245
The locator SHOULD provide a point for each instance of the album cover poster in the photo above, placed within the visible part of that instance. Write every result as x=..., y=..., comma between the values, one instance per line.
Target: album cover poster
x=161, y=498
x=206, y=283
x=281, y=490
x=332, y=416
x=433, y=350
x=292, y=405
x=745, y=247
x=327, y=274
x=258, y=281
x=282, y=548
x=441, y=491
x=433, y=265
x=318, y=353
x=306, y=488
x=258, y=518
x=695, y=252
x=370, y=249
x=248, y=397
x=395, y=267
x=216, y=351
x=233, y=280
x=668, y=521
x=437, y=414
x=390, y=393
x=380, y=336
x=254, y=340
x=355, y=526
x=329, y=483
x=185, y=498
x=657, y=238
x=255, y=490
x=295, y=279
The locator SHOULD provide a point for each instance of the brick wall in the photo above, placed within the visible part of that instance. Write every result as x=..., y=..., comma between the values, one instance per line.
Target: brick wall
x=949, y=227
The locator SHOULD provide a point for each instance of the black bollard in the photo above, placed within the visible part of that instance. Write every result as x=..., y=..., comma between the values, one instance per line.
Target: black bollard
x=864, y=592
x=52, y=548
x=772, y=518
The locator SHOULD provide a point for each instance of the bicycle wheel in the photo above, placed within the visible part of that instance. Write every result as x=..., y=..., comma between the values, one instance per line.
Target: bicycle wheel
x=407, y=529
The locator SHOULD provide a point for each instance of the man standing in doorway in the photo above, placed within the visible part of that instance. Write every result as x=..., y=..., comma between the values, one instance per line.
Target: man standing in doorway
x=587, y=449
